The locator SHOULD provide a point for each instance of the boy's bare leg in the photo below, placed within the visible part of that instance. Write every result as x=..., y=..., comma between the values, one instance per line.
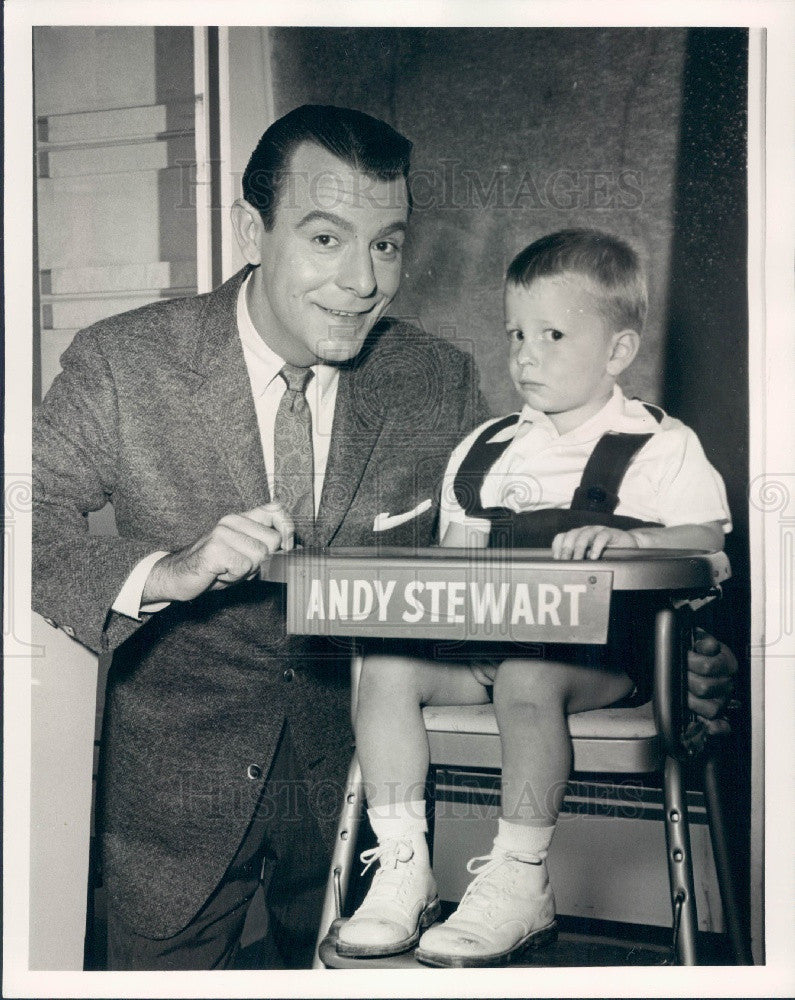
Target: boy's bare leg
x=531, y=701
x=509, y=906
x=393, y=750
x=391, y=740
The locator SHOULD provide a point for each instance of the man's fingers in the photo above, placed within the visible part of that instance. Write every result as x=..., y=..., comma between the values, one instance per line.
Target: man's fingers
x=258, y=528
x=231, y=554
x=709, y=687
x=234, y=550
x=273, y=515
x=706, y=643
x=706, y=708
x=722, y=663
x=716, y=727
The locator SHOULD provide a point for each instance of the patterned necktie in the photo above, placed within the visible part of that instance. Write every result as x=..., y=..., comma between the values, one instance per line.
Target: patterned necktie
x=292, y=442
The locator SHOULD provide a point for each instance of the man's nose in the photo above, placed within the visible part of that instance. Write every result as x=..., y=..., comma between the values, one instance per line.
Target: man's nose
x=357, y=273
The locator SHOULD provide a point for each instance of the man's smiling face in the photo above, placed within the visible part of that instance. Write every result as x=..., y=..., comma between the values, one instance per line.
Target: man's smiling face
x=332, y=262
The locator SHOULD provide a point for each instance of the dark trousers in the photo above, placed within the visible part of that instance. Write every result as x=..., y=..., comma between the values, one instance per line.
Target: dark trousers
x=284, y=852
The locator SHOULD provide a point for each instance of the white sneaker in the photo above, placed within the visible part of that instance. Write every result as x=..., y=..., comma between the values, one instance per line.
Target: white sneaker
x=401, y=901
x=507, y=908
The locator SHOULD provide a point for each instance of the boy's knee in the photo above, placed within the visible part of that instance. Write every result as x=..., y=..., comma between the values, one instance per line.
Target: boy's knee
x=383, y=669
x=526, y=682
x=393, y=674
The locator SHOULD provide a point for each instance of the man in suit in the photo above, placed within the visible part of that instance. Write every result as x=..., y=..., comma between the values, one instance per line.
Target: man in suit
x=225, y=740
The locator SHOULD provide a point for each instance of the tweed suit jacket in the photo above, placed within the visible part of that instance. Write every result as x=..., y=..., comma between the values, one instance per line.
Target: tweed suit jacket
x=153, y=412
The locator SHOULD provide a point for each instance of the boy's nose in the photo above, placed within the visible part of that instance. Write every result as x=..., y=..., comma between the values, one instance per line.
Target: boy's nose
x=357, y=273
x=529, y=353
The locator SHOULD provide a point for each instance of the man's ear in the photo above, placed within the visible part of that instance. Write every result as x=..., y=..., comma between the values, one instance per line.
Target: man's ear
x=247, y=224
x=625, y=345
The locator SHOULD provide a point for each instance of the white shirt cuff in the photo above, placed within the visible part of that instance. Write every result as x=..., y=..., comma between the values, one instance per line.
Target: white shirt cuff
x=128, y=600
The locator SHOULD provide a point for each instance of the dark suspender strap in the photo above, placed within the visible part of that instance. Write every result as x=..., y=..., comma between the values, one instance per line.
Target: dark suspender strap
x=601, y=478
x=478, y=460
x=604, y=471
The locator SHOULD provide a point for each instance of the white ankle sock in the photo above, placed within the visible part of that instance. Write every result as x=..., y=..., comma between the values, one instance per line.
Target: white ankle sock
x=397, y=819
x=528, y=840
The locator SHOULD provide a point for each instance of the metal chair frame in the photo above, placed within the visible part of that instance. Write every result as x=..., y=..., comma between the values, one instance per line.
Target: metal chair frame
x=663, y=744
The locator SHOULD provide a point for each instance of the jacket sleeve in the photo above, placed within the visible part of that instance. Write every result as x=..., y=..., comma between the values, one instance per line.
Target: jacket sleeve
x=76, y=575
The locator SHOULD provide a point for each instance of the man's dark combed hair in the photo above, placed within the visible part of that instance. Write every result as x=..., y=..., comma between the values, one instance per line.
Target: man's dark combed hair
x=612, y=269
x=365, y=143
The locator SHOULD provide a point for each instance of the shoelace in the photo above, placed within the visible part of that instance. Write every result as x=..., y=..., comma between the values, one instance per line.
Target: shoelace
x=390, y=880
x=391, y=850
x=484, y=891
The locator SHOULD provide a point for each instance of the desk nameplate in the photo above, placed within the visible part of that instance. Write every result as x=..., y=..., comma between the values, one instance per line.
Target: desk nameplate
x=447, y=600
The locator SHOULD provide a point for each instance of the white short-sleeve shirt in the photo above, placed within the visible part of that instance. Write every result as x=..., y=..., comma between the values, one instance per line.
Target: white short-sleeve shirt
x=669, y=481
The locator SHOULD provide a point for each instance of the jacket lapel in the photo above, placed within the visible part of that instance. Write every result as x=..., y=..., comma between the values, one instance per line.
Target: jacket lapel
x=222, y=395
x=352, y=442
x=225, y=409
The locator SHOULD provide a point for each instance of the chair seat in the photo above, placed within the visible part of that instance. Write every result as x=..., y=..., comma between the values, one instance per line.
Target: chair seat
x=622, y=740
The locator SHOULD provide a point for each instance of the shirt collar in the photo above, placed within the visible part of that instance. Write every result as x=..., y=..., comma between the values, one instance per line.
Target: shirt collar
x=612, y=413
x=264, y=363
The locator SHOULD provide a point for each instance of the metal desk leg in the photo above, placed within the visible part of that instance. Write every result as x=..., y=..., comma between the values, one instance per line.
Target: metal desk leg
x=680, y=864
x=723, y=867
x=343, y=859
x=669, y=708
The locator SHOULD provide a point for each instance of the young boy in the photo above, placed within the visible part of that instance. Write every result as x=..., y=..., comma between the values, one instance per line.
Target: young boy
x=579, y=468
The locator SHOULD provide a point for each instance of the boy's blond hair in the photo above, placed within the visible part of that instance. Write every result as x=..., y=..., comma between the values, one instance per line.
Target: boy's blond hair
x=610, y=266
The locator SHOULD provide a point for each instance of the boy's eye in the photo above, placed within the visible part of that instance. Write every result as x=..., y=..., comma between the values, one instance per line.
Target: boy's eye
x=325, y=240
x=553, y=334
x=516, y=336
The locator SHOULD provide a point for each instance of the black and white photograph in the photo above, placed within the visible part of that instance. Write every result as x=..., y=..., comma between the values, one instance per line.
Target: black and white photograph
x=399, y=499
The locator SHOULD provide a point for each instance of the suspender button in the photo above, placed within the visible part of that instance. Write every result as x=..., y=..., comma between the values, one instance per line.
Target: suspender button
x=596, y=494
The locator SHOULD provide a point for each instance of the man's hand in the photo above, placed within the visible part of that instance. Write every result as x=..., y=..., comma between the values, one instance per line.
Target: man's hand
x=711, y=667
x=232, y=551
x=591, y=540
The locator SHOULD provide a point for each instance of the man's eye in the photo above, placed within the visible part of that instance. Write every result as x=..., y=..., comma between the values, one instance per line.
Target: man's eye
x=387, y=248
x=553, y=334
x=325, y=240
x=516, y=336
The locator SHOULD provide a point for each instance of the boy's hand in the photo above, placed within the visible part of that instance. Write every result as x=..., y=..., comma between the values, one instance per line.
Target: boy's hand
x=590, y=541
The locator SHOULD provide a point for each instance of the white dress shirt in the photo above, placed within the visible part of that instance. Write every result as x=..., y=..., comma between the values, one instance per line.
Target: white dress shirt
x=670, y=481
x=267, y=389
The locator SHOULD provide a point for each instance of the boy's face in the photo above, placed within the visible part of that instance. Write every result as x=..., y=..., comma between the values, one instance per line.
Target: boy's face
x=563, y=354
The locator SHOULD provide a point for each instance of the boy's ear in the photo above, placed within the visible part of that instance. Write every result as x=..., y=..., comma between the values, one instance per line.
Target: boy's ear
x=248, y=227
x=625, y=345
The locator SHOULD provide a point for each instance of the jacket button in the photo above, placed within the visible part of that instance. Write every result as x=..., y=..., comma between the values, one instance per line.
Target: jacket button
x=254, y=772
x=69, y=631
x=288, y=674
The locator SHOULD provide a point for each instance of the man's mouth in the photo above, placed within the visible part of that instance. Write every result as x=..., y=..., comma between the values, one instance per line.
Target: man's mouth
x=346, y=314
